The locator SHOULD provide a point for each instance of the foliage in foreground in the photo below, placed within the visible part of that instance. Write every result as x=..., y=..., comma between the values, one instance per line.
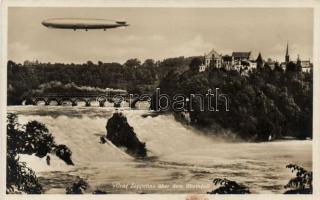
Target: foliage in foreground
x=301, y=183
x=20, y=178
x=229, y=187
x=80, y=186
x=31, y=138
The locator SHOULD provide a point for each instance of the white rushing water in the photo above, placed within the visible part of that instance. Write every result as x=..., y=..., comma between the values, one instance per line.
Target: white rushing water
x=177, y=154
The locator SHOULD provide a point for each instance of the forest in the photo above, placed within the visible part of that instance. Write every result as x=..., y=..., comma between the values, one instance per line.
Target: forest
x=133, y=76
x=267, y=103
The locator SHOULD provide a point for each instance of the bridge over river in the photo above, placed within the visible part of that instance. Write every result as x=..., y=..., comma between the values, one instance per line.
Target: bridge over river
x=74, y=98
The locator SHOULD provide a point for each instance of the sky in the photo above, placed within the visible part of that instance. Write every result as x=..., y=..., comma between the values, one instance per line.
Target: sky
x=159, y=33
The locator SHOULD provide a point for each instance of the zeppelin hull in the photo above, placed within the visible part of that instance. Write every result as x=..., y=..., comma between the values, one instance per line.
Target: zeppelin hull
x=83, y=24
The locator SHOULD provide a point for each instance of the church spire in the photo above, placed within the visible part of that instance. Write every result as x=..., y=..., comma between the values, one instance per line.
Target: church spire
x=287, y=53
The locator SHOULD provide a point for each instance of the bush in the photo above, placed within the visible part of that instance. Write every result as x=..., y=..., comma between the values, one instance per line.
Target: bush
x=20, y=178
x=79, y=187
x=38, y=139
x=99, y=192
x=302, y=183
x=64, y=153
x=229, y=187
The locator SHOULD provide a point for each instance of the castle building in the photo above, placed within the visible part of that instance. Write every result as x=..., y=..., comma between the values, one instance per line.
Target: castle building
x=213, y=59
x=240, y=56
x=243, y=62
x=306, y=66
x=240, y=61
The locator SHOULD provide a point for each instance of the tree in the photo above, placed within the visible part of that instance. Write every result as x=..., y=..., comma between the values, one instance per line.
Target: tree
x=134, y=63
x=100, y=63
x=292, y=67
x=11, y=64
x=266, y=67
x=195, y=64
x=90, y=63
x=149, y=63
x=277, y=67
x=37, y=139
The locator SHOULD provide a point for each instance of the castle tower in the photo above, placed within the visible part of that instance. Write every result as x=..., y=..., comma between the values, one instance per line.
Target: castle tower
x=259, y=61
x=287, y=54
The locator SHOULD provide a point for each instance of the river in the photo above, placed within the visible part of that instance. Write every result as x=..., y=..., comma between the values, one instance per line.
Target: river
x=180, y=159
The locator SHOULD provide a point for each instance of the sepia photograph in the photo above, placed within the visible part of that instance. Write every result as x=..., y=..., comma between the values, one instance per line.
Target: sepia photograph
x=159, y=100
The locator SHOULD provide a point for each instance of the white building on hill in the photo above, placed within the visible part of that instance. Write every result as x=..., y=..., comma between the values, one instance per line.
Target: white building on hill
x=240, y=61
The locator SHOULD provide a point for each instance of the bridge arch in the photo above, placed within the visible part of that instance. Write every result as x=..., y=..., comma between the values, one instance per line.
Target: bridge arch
x=133, y=101
x=102, y=99
x=50, y=100
x=65, y=100
x=87, y=101
x=39, y=99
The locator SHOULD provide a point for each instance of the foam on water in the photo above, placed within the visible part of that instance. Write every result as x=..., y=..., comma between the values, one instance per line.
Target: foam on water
x=40, y=164
x=182, y=155
x=82, y=136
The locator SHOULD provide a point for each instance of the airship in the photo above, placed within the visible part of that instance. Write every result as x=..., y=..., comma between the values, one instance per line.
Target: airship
x=85, y=24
